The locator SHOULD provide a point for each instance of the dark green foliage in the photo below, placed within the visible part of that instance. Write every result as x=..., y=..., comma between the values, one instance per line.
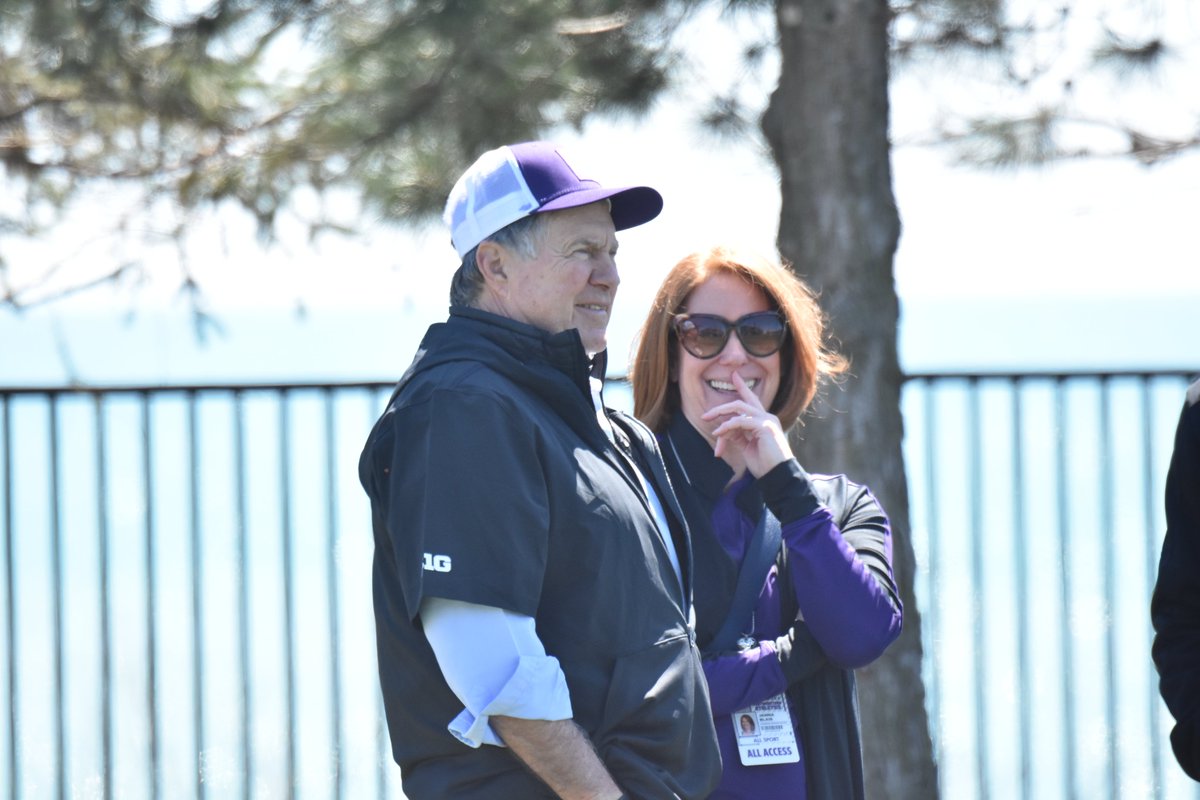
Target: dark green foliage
x=415, y=99
x=248, y=102
x=388, y=96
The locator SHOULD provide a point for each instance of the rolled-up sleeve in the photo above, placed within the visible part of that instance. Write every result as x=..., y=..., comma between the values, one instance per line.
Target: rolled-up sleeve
x=494, y=662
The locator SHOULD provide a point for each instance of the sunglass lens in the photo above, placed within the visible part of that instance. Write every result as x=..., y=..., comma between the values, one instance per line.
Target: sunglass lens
x=704, y=337
x=761, y=334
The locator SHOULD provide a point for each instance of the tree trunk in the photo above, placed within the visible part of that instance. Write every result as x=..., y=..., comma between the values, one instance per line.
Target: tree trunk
x=827, y=124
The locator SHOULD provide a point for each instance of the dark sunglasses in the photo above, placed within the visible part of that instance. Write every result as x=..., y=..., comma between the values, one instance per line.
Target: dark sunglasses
x=705, y=335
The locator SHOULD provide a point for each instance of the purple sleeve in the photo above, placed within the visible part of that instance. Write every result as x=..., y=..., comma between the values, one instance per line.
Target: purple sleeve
x=735, y=680
x=841, y=576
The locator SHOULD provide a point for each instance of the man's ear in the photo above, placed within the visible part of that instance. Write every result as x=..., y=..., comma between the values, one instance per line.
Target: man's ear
x=491, y=261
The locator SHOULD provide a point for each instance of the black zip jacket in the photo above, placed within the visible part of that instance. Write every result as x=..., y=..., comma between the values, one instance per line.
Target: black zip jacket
x=492, y=482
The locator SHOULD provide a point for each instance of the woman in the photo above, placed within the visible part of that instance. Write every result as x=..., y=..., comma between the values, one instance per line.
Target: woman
x=727, y=361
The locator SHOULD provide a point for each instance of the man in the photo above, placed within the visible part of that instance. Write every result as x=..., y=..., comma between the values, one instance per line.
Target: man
x=1175, y=607
x=532, y=572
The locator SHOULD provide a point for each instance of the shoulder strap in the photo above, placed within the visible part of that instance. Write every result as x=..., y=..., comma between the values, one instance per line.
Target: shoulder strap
x=760, y=555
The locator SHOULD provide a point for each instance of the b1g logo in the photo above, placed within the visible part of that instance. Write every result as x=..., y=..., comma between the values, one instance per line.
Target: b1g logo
x=434, y=563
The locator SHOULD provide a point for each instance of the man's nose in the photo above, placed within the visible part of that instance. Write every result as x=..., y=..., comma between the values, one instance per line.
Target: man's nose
x=606, y=273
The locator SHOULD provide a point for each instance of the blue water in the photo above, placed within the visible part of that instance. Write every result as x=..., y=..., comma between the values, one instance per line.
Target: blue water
x=967, y=332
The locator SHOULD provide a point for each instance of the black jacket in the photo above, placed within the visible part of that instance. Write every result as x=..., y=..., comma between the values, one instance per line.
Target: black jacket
x=492, y=482
x=1175, y=607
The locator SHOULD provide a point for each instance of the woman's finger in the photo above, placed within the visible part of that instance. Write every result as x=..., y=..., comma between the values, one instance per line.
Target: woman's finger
x=743, y=390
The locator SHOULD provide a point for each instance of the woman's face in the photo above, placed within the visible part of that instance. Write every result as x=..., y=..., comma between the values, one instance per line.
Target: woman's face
x=705, y=383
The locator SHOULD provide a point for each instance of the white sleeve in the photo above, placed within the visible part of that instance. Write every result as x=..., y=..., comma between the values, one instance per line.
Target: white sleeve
x=495, y=664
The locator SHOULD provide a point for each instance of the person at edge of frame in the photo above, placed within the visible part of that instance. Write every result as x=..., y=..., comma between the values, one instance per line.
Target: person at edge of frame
x=532, y=570
x=1175, y=605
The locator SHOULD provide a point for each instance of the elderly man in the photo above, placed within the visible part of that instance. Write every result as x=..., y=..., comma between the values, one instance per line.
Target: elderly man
x=532, y=572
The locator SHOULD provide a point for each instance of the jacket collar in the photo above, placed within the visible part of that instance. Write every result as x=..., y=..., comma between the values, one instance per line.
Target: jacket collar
x=563, y=351
x=547, y=364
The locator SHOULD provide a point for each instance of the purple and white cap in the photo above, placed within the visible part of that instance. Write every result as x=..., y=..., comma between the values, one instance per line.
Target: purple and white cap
x=514, y=181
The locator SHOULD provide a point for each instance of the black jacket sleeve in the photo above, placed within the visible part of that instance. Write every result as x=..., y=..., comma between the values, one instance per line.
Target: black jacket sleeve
x=1175, y=607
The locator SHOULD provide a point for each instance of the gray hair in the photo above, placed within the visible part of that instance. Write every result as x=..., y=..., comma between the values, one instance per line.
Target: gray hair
x=523, y=236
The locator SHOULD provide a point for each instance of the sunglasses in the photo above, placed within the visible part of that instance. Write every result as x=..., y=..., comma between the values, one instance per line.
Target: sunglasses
x=705, y=335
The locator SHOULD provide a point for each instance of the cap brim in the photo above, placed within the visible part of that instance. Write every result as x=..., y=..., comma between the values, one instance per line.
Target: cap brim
x=631, y=205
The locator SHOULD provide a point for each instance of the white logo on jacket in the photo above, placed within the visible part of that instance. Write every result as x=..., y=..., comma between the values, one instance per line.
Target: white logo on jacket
x=435, y=563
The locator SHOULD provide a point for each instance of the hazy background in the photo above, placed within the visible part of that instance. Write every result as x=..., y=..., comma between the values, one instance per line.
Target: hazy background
x=1090, y=264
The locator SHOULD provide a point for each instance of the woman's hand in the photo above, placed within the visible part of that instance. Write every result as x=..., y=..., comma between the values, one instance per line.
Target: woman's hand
x=748, y=434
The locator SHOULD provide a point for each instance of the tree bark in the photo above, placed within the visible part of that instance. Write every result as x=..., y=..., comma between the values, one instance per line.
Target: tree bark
x=827, y=124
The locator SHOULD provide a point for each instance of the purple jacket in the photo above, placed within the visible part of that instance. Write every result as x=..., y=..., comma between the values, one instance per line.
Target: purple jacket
x=827, y=606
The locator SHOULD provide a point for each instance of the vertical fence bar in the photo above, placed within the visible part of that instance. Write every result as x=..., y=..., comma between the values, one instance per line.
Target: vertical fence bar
x=60, y=711
x=930, y=617
x=383, y=751
x=243, y=558
x=1021, y=577
x=106, y=684
x=193, y=431
x=14, y=753
x=1064, y=553
x=331, y=544
x=285, y=460
x=1108, y=536
x=151, y=600
x=978, y=634
x=1150, y=509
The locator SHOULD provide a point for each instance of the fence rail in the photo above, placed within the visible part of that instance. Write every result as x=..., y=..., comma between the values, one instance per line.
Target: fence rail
x=187, y=613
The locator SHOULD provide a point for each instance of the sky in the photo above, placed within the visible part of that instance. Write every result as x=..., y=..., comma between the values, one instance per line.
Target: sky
x=1086, y=264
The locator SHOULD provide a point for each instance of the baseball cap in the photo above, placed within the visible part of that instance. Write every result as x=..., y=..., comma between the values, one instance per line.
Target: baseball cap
x=514, y=181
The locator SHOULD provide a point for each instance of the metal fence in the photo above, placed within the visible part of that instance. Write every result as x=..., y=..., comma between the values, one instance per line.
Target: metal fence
x=186, y=600
x=1037, y=523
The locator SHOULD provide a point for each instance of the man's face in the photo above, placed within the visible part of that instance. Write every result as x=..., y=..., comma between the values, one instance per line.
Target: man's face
x=571, y=282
